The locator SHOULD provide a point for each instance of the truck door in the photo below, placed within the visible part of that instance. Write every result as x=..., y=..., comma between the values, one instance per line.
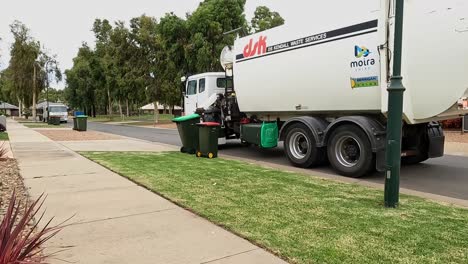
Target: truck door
x=203, y=91
x=191, y=97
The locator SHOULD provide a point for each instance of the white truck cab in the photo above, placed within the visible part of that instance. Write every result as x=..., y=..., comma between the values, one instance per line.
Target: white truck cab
x=200, y=88
x=55, y=109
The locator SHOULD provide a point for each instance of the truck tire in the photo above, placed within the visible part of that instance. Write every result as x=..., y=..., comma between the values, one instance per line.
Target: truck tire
x=350, y=151
x=301, y=149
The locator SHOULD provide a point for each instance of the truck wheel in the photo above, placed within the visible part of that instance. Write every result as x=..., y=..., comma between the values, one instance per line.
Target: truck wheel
x=350, y=152
x=300, y=147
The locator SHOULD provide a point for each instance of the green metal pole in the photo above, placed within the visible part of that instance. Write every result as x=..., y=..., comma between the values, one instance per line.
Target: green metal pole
x=395, y=115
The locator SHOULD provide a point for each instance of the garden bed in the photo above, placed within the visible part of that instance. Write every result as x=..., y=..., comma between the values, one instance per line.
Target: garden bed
x=72, y=135
x=10, y=180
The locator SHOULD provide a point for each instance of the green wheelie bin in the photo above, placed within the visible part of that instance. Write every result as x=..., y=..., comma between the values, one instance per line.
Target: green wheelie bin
x=75, y=123
x=208, y=140
x=188, y=132
x=81, y=123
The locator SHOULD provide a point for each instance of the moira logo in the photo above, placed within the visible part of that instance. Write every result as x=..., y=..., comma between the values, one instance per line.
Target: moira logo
x=362, y=53
x=258, y=48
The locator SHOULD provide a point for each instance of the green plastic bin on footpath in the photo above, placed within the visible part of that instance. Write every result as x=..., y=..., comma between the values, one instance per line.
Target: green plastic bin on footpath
x=75, y=123
x=54, y=120
x=188, y=132
x=208, y=140
x=81, y=123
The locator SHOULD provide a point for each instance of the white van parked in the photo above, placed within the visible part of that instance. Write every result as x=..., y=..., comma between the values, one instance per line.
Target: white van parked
x=55, y=109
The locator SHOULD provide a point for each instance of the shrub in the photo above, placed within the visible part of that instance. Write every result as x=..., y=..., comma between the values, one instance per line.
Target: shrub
x=21, y=240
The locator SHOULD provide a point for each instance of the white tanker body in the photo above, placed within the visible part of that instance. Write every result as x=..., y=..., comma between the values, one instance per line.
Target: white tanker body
x=341, y=65
x=324, y=84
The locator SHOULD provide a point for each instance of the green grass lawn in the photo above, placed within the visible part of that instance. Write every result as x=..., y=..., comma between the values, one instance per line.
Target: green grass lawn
x=43, y=125
x=118, y=118
x=4, y=136
x=301, y=218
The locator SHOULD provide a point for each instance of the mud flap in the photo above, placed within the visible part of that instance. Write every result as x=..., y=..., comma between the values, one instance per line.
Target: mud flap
x=436, y=140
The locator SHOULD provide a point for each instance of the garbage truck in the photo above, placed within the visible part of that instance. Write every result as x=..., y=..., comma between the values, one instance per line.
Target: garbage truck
x=321, y=88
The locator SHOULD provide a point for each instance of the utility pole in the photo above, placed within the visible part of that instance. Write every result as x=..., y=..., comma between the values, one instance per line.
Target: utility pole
x=395, y=115
x=47, y=85
x=34, y=113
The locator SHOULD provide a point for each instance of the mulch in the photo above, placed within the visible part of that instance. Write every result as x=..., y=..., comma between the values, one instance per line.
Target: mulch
x=10, y=180
x=72, y=135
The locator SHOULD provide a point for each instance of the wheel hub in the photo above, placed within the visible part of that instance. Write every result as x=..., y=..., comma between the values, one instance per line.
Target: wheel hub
x=299, y=145
x=348, y=151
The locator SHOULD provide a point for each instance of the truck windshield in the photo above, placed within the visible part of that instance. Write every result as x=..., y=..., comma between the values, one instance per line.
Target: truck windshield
x=58, y=109
x=221, y=83
x=192, y=88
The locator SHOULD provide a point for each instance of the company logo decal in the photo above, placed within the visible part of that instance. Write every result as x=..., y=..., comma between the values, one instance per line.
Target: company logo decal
x=259, y=48
x=360, y=52
x=364, y=62
x=364, y=68
x=364, y=82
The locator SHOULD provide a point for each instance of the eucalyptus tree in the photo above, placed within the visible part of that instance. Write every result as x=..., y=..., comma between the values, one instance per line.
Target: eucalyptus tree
x=81, y=85
x=24, y=53
x=265, y=19
x=104, y=74
x=174, y=36
x=206, y=27
x=151, y=57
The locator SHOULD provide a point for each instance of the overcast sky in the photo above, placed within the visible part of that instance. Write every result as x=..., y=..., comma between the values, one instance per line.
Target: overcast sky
x=62, y=25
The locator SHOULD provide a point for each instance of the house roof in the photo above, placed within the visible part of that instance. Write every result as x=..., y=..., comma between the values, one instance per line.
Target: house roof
x=4, y=105
x=160, y=107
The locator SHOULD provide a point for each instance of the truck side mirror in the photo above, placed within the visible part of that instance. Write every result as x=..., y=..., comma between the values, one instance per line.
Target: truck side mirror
x=182, y=89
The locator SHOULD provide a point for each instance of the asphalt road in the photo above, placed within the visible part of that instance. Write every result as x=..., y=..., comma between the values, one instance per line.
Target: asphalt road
x=447, y=176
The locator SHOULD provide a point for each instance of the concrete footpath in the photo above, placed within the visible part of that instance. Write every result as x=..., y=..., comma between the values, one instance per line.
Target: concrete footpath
x=115, y=220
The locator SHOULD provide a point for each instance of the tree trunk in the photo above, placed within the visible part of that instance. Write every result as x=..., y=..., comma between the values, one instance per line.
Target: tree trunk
x=34, y=114
x=171, y=110
x=120, y=110
x=110, y=101
x=128, y=110
x=156, y=113
x=20, y=108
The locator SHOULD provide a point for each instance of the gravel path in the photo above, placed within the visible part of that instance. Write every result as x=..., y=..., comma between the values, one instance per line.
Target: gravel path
x=10, y=180
x=72, y=135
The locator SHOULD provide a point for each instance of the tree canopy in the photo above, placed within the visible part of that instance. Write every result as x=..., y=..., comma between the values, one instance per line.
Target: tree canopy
x=28, y=70
x=131, y=63
x=265, y=19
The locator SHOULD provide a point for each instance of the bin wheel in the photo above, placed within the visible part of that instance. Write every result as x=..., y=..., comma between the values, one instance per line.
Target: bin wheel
x=182, y=149
x=210, y=155
x=192, y=152
x=199, y=154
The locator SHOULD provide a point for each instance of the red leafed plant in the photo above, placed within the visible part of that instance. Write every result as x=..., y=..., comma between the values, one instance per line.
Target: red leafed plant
x=21, y=240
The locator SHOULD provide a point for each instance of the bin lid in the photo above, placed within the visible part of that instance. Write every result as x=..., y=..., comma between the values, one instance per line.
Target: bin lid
x=209, y=124
x=186, y=118
x=81, y=116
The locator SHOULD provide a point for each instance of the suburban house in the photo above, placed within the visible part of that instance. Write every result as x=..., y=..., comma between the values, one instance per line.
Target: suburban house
x=149, y=108
x=9, y=109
